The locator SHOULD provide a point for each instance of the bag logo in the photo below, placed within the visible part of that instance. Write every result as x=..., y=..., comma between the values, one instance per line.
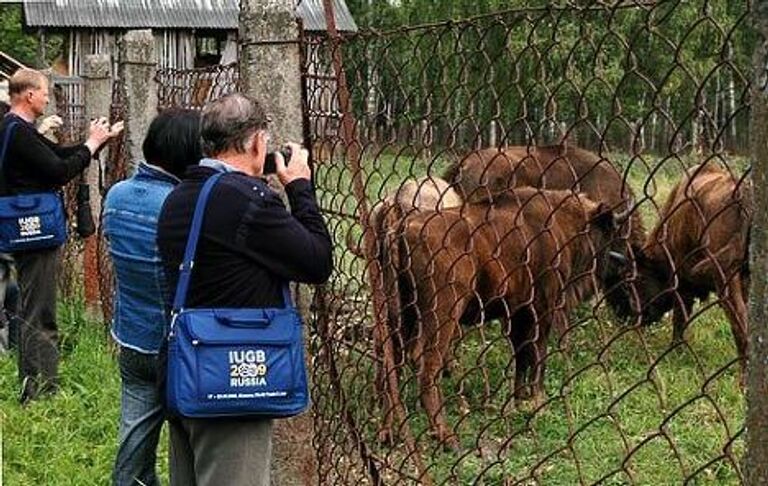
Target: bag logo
x=248, y=368
x=30, y=226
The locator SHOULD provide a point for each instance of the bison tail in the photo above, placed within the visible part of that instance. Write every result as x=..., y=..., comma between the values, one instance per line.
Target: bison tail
x=388, y=235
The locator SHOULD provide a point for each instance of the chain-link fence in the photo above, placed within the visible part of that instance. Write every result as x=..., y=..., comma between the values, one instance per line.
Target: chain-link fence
x=541, y=220
x=193, y=88
x=114, y=170
x=70, y=106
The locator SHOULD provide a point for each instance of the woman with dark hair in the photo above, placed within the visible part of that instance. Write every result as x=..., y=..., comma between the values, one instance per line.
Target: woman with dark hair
x=130, y=217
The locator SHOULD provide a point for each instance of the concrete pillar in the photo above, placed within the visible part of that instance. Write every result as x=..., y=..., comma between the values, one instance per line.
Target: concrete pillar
x=270, y=72
x=98, y=99
x=137, y=72
x=51, y=109
x=270, y=63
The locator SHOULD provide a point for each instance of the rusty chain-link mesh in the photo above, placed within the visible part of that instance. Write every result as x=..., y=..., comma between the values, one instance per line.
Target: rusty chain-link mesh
x=70, y=107
x=434, y=332
x=193, y=88
x=114, y=169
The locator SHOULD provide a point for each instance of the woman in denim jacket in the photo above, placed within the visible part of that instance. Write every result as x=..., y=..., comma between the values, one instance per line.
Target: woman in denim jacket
x=130, y=217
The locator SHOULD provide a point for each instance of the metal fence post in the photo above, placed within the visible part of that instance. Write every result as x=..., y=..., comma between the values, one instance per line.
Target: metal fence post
x=270, y=71
x=756, y=464
x=382, y=337
x=98, y=98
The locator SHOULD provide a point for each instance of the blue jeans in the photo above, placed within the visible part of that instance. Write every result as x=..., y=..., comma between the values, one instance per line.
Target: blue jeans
x=141, y=418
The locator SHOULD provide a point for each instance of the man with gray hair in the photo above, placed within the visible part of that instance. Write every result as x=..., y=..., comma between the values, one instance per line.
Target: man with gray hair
x=249, y=246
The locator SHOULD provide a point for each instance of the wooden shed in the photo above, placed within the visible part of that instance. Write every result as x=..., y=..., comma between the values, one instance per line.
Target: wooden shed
x=189, y=33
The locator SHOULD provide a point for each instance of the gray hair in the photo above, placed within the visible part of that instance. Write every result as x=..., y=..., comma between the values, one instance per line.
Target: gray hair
x=229, y=121
x=24, y=79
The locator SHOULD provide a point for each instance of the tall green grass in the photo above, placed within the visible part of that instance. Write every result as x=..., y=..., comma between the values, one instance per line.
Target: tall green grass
x=70, y=438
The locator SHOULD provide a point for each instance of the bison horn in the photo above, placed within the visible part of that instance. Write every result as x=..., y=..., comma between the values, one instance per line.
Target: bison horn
x=618, y=257
x=623, y=216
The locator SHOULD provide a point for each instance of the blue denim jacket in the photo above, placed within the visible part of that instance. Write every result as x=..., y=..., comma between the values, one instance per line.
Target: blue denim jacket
x=130, y=217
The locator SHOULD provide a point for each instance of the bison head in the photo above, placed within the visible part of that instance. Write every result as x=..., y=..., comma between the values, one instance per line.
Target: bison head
x=636, y=288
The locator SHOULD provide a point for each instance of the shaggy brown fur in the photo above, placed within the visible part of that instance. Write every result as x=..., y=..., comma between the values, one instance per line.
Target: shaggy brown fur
x=515, y=258
x=699, y=246
x=428, y=192
x=492, y=171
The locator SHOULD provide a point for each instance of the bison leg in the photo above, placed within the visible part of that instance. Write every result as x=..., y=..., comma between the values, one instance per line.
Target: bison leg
x=558, y=320
x=735, y=307
x=387, y=405
x=430, y=372
x=432, y=350
x=520, y=332
x=680, y=318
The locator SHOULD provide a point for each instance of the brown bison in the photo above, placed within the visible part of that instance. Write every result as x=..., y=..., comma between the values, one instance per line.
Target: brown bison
x=487, y=172
x=428, y=192
x=516, y=258
x=699, y=246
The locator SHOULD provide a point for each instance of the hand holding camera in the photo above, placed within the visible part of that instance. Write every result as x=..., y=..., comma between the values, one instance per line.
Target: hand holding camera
x=99, y=132
x=270, y=162
x=116, y=129
x=289, y=163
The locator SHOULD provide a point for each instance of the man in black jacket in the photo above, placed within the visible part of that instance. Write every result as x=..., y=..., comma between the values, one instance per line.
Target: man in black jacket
x=249, y=246
x=35, y=164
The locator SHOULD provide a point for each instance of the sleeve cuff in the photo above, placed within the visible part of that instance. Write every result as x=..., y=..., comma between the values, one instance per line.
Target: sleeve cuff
x=298, y=186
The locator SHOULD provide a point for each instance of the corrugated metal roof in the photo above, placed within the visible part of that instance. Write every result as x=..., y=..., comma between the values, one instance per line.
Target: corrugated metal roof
x=165, y=14
x=312, y=13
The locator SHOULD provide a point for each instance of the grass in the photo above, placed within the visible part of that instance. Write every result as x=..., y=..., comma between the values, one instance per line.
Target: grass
x=71, y=438
x=623, y=408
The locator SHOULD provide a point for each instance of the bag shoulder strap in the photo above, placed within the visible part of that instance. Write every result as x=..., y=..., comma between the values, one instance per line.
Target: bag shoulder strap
x=185, y=270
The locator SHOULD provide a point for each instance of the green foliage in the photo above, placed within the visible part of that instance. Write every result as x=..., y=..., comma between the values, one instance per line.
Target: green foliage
x=69, y=439
x=672, y=77
x=23, y=46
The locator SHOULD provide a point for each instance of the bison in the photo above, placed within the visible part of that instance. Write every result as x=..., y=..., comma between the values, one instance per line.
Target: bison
x=487, y=172
x=428, y=192
x=516, y=257
x=699, y=246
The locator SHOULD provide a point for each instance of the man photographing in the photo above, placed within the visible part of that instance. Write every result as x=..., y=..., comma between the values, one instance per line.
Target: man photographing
x=249, y=246
x=34, y=164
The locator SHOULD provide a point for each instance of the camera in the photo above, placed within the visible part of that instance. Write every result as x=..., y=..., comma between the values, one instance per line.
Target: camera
x=85, y=225
x=270, y=166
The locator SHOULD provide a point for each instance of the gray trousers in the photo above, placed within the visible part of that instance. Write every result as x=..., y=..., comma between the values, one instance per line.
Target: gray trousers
x=216, y=452
x=38, y=332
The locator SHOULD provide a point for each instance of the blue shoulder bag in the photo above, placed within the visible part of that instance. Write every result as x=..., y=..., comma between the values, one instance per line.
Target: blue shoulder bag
x=29, y=221
x=233, y=362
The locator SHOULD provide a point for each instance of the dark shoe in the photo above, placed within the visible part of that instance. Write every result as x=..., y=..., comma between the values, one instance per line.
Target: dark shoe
x=33, y=389
x=28, y=390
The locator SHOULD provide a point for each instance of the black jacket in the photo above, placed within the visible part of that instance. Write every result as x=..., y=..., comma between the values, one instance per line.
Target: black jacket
x=249, y=243
x=34, y=164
